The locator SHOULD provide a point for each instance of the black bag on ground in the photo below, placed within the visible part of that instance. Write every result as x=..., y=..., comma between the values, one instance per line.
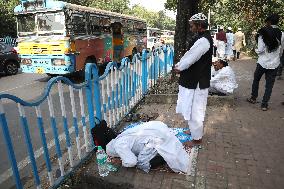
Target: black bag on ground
x=102, y=134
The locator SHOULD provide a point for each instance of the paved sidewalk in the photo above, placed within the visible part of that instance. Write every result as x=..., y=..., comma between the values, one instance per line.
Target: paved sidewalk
x=243, y=147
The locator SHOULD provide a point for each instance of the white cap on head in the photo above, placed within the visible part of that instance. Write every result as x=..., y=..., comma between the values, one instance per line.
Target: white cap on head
x=198, y=17
x=221, y=27
x=229, y=28
x=239, y=29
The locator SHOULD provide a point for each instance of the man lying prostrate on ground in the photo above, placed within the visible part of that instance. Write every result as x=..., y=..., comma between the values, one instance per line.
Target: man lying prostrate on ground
x=223, y=80
x=140, y=144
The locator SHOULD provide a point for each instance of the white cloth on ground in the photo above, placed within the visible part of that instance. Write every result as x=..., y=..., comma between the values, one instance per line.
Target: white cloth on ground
x=191, y=104
x=138, y=145
x=229, y=46
x=199, y=48
x=223, y=80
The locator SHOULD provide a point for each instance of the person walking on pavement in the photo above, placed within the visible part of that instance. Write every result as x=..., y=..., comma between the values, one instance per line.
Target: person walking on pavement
x=230, y=42
x=221, y=42
x=239, y=43
x=270, y=42
x=194, y=69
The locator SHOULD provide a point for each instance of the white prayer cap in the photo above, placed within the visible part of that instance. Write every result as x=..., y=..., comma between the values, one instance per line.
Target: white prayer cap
x=229, y=28
x=198, y=17
x=221, y=27
x=239, y=29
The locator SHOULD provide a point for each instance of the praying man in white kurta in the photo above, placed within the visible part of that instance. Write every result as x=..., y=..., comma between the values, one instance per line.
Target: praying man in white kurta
x=223, y=79
x=195, y=74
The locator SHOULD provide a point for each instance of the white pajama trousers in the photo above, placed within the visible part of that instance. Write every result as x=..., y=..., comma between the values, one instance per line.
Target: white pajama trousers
x=191, y=104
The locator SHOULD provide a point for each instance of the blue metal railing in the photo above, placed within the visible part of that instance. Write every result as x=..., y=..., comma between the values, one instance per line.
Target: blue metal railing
x=110, y=97
x=9, y=41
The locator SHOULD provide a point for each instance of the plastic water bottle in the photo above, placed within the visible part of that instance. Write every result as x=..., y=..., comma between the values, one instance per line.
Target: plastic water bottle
x=102, y=162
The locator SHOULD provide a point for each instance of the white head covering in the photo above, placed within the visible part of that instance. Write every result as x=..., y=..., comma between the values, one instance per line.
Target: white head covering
x=229, y=28
x=221, y=27
x=239, y=29
x=198, y=17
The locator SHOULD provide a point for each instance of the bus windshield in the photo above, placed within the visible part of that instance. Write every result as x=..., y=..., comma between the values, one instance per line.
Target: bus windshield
x=26, y=24
x=50, y=21
x=47, y=23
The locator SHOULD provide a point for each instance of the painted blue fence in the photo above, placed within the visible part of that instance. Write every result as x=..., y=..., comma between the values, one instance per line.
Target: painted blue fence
x=110, y=97
x=9, y=41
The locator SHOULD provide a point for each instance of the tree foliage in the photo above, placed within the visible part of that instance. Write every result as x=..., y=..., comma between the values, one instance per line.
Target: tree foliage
x=249, y=15
x=7, y=18
x=154, y=19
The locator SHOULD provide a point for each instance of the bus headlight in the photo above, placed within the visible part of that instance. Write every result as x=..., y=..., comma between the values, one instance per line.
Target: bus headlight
x=58, y=62
x=26, y=61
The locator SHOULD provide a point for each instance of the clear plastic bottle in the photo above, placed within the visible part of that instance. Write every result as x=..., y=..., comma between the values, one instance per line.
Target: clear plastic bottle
x=102, y=162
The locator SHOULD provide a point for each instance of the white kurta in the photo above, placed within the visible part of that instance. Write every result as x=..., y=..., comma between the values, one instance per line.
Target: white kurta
x=269, y=60
x=138, y=145
x=224, y=81
x=229, y=47
x=192, y=103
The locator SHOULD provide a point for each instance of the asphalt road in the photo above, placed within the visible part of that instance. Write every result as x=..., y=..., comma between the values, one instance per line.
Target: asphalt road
x=29, y=87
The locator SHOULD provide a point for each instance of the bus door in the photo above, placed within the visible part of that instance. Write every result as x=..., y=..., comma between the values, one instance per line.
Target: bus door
x=117, y=41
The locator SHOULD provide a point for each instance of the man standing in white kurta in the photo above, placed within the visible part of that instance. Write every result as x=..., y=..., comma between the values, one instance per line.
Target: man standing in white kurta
x=195, y=74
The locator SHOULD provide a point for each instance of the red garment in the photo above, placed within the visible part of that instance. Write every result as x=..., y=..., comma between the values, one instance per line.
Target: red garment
x=221, y=36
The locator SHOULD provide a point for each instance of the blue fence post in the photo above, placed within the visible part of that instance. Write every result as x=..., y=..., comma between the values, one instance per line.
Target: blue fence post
x=97, y=92
x=165, y=49
x=9, y=145
x=29, y=144
x=44, y=144
x=144, y=67
x=88, y=79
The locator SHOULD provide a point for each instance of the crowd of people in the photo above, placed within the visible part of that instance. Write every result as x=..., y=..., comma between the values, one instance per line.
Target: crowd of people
x=227, y=44
x=196, y=80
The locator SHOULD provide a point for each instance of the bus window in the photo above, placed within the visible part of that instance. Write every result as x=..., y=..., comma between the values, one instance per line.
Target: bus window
x=78, y=23
x=130, y=26
x=26, y=24
x=51, y=22
x=105, y=24
x=94, y=25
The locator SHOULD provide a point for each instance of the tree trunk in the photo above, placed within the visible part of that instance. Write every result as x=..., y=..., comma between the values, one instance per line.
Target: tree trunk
x=183, y=35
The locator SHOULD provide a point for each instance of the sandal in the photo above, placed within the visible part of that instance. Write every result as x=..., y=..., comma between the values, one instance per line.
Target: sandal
x=128, y=117
x=251, y=100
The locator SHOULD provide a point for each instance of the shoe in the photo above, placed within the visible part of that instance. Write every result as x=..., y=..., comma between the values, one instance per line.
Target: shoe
x=264, y=107
x=251, y=100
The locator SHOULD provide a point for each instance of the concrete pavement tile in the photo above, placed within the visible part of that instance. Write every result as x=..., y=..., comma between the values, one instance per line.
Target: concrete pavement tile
x=181, y=184
x=166, y=183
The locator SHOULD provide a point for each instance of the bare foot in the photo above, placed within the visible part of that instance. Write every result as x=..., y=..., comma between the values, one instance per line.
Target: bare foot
x=193, y=143
x=187, y=132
